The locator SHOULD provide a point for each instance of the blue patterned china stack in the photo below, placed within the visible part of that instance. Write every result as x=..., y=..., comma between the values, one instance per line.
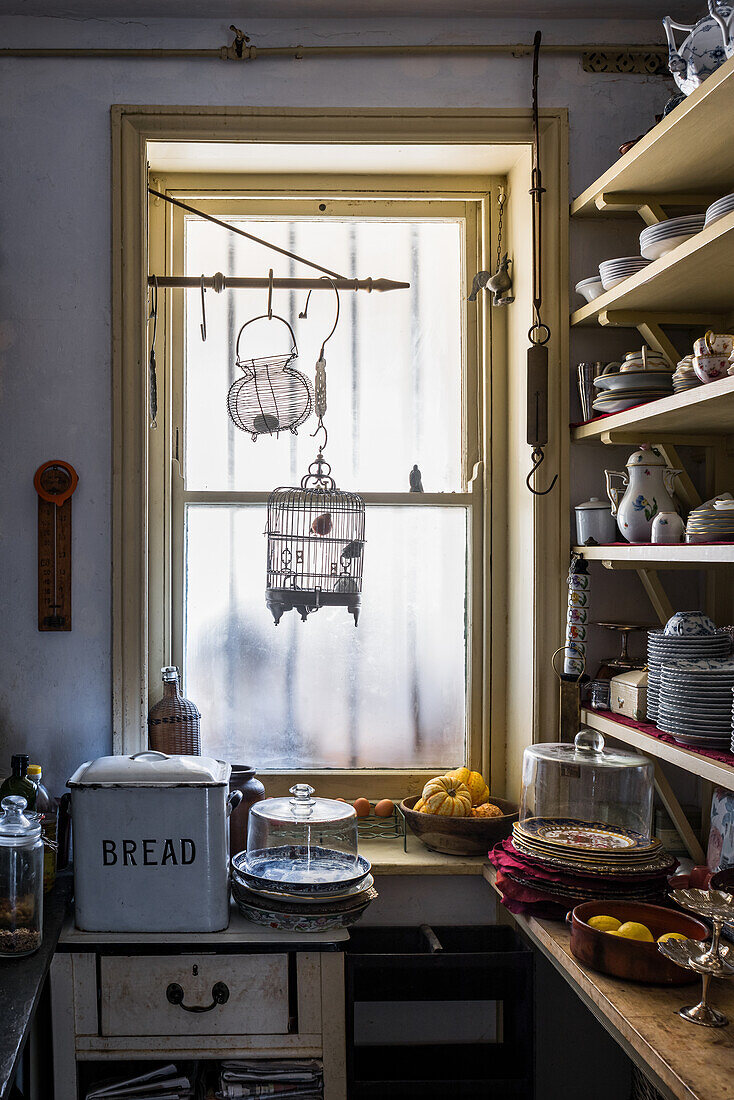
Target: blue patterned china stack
x=688, y=636
x=695, y=702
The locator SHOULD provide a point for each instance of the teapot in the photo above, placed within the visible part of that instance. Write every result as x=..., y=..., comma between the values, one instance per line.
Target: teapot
x=710, y=41
x=648, y=489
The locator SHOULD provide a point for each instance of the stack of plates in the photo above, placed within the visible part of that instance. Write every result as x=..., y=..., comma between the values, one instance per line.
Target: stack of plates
x=712, y=522
x=658, y=239
x=612, y=402
x=617, y=270
x=662, y=647
x=296, y=903
x=685, y=377
x=589, y=289
x=719, y=209
x=696, y=702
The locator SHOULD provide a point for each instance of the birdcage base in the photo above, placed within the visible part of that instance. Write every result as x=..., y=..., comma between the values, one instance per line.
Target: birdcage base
x=305, y=601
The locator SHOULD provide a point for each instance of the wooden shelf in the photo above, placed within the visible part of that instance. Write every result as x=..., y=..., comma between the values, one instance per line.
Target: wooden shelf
x=685, y=1062
x=647, y=556
x=696, y=277
x=670, y=157
x=707, y=410
x=692, y=762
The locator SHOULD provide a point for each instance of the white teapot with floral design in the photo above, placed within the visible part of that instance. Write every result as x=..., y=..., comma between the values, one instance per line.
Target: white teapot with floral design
x=648, y=489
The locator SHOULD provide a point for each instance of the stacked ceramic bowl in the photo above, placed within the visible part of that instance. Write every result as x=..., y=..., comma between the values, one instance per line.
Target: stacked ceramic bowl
x=589, y=289
x=684, y=376
x=712, y=521
x=688, y=636
x=719, y=209
x=643, y=376
x=617, y=270
x=696, y=702
x=663, y=237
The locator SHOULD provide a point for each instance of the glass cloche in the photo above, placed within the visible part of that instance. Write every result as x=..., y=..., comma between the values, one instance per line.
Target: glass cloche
x=587, y=782
x=302, y=840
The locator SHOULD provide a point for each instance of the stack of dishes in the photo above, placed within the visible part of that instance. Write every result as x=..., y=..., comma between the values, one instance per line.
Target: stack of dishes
x=712, y=521
x=663, y=237
x=719, y=209
x=663, y=648
x=557, y=860
x=617, y=270
x=696, y=702
x=293, y=905
x=589, y=289
x=643, y=376
x=684, y=376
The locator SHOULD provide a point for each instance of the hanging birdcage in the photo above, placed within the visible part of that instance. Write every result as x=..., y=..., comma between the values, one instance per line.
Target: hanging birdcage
x=315, y=546
x=272, y=396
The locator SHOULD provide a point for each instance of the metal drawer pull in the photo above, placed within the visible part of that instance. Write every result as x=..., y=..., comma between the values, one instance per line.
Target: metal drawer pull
x=175, y=996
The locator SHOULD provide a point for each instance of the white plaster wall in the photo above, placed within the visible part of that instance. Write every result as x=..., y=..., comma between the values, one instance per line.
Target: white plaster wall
x=55, y=374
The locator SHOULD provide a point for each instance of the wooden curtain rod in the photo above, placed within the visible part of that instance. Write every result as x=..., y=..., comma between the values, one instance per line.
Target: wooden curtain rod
x=221, y=282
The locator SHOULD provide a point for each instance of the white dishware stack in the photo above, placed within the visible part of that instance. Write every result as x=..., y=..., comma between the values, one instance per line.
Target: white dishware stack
x=696, y=702
x=616, y=270
x=684, y=376
x=643, y=376
x=688, y=636
x=590, y=288
x=712, y=521
x=719, y=209
x=657, y=240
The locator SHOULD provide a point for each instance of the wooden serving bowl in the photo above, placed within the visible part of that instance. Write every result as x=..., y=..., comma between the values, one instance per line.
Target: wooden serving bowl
x=634, y=960
x=460, y=836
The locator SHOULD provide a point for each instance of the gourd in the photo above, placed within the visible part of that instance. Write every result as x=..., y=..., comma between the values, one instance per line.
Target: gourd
x=419, y=806
x=478, y=789
x=446, y=796
x=488, y=809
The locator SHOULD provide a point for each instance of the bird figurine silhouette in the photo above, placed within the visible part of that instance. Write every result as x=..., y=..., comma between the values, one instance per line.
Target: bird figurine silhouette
x=500, y=284
x=416, y=482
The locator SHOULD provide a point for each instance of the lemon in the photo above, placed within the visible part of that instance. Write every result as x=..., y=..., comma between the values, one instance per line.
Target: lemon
x=631, y=930
x=614, y=932
x=671, y=936
x=602, y=923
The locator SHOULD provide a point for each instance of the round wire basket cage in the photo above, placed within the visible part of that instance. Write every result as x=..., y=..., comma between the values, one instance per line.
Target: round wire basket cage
x=272, y=396
x=315, y=546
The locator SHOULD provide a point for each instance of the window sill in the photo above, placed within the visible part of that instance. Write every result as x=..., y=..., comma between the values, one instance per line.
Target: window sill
x=389, y=858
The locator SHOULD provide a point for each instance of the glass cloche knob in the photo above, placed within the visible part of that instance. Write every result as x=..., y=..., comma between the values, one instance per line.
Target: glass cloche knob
x=588, y=740
x=302, y=804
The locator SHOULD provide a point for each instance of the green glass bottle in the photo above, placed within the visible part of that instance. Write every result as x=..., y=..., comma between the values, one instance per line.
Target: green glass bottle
x=18, y=782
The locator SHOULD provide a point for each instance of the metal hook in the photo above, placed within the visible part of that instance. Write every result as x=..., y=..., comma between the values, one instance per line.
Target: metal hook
x=270, y=294
x=321, y=427
x=202, y=326
x=304, y=314
x=537, y=458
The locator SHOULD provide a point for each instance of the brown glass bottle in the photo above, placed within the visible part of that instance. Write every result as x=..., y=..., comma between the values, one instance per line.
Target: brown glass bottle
x=174, y=722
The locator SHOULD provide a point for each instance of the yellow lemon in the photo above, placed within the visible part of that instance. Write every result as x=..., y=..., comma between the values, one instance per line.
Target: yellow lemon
x=671, y=936
x=631, y=930
x=614, y=932
x=603, y=923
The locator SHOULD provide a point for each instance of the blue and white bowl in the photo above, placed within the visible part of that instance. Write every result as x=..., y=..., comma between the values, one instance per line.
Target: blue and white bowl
x=689, y=624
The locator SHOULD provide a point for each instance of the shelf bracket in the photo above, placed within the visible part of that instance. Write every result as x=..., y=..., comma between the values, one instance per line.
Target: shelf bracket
x=649, y=207
x=649, y=330
x=679, y=819
x=686, y=490
x=656, y=594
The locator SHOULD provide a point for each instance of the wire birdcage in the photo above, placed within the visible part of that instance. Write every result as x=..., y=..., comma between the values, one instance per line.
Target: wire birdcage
x=272, y=396
x=315, y=546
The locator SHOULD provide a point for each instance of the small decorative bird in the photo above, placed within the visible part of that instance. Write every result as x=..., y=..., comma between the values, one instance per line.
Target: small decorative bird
x=500, y=284
x=322, y=524
x=416, y=481
x=353, y=549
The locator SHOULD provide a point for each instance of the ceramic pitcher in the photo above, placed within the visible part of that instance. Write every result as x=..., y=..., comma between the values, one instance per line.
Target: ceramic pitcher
x=710, y=41
x=648, y=489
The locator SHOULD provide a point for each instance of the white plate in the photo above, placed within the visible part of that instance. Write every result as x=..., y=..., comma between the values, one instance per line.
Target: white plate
x=653, y=250
x=622, y=403
x=631, y=380
x=719, y=209
x=589, y=289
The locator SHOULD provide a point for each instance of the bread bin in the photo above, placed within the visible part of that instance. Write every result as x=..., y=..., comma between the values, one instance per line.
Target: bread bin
x=151, y=843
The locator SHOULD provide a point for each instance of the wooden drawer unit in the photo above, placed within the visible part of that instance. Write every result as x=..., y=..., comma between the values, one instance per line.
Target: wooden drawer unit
x=194, y=995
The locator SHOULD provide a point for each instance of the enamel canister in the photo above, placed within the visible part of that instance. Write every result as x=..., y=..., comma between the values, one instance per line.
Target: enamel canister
x=151, y=843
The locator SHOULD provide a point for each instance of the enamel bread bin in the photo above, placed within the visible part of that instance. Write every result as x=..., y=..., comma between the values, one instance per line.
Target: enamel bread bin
x=151, y=843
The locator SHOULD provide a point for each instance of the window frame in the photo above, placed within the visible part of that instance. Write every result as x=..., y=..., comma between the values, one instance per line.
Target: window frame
x=221, y=195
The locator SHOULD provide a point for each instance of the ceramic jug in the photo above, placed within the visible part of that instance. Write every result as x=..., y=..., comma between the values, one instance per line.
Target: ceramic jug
x=648, y=489
x=707, y=46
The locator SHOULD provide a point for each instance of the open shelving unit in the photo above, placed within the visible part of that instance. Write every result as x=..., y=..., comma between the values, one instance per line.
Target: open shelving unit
x=707, y=411
x=648, y=556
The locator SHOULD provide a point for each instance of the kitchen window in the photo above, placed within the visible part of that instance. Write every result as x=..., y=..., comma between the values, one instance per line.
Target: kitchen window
x=395, y=694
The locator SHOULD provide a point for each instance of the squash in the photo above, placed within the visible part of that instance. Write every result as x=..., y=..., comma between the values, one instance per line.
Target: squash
x=419, y=806
x=446, y=796
x=488, y=809
x=478, y=789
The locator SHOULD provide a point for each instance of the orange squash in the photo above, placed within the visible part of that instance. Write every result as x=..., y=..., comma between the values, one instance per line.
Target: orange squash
x=478, y=789
x=446, y=796
x=488, y=809
x=420, y=804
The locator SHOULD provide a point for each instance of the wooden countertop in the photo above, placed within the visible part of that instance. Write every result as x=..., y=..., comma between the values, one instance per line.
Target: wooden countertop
x=683, y=1060
x=389, y=857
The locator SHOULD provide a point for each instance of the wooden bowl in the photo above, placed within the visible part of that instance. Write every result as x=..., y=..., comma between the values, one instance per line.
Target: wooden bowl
x=460, y=836
x=632, y=959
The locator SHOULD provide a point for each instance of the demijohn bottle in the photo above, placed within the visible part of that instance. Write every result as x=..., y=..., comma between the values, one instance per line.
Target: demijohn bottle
x=174, y=722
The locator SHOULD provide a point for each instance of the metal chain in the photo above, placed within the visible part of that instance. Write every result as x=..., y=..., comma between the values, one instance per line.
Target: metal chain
x=501, y=198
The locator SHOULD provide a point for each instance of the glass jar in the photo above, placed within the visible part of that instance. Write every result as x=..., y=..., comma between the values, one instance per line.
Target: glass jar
x=21, y=879
x=587, y=782
x=302, y=839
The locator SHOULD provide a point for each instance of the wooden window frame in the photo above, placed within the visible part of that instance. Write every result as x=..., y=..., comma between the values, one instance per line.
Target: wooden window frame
x=534, y=604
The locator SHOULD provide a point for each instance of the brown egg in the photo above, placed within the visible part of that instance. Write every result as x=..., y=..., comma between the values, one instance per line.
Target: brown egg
x=340, y=799
x=362, y=807
x=385, y=808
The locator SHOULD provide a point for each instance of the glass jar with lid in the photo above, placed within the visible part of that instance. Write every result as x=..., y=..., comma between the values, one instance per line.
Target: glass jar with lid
x=21, y=878
x=302, y=839
x=587, y=782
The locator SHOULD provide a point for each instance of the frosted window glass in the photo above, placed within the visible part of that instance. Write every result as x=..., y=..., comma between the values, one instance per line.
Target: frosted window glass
x=390, y=693
x=393, y=366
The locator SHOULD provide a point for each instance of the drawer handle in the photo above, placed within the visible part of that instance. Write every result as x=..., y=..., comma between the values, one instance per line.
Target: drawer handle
x=175, y=996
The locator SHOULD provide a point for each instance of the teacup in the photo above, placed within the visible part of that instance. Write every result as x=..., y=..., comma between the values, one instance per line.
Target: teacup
x=689, y=624
x=578, y=582
x=578, y=599
x=714, y=343
x=578, y=615
x=575, y=632
x=709, y=368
